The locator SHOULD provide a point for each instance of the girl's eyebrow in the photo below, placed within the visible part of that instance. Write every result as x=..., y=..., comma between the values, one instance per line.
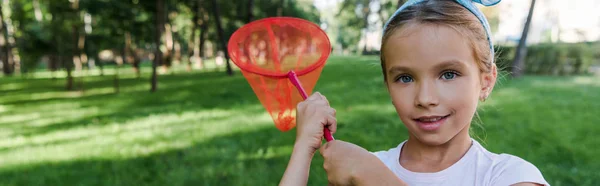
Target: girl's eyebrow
x=398, y=69
x=449, y=64
x=443, y=65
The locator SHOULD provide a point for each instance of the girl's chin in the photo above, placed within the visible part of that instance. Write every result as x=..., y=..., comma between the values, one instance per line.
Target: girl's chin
x=433, y=139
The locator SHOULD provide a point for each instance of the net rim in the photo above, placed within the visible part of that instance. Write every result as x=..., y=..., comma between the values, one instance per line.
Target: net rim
x=237, y=35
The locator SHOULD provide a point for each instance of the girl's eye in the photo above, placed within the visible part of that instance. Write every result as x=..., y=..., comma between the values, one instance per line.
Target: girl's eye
x=404, y=79
x=449, y=75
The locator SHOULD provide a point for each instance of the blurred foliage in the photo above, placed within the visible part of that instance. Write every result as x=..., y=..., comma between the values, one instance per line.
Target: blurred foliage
x=45, y=27
x=553, y=58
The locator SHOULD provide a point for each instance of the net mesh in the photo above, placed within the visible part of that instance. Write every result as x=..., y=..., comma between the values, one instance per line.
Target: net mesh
x=266, y=50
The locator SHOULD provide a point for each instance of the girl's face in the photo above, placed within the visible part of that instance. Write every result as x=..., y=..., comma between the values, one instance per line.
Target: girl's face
x=434, y=81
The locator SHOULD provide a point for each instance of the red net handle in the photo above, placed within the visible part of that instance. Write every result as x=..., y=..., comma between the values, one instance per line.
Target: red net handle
x=294, y=79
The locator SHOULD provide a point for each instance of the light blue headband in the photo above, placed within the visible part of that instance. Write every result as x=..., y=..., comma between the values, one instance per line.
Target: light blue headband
x=469, y=4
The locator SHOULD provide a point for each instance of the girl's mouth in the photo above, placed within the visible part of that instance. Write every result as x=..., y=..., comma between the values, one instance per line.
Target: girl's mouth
x=431, y=123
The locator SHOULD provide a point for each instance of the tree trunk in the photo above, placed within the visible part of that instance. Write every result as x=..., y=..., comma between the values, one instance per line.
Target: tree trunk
x=14, y=41
x=169, y=43
x=92, y=53
x=221, y=37
x=69, y=85
x=136, y=63
x=157, y=33
x=250, y=13
x=5, y=48
x=123, y=60
x=83, y=59
x=193, y=42
x=81, y=46
x=116, y=79
x=76, y=55
x=131, y=55
x=53, y=64
x=366, y=12
x=100, y=65
x=519, y=61
x=203, y=32
x=76, y=52
x=176, y=50
x=280, y=8
x=63, y=61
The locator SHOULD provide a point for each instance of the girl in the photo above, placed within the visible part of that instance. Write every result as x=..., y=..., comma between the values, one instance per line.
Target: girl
x=437, y=63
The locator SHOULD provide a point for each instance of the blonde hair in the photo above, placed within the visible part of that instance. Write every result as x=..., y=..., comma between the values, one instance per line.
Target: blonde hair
x=447, y=13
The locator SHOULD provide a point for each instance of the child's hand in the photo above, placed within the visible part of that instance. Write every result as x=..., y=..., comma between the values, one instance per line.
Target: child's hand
x=343, y=161
x=312, y=115
x=349, y=164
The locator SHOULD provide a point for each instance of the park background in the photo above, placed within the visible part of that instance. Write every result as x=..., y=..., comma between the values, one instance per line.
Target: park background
x=142, y=92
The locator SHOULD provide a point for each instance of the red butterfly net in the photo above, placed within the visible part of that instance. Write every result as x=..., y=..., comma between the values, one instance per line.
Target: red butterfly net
x=275, y=53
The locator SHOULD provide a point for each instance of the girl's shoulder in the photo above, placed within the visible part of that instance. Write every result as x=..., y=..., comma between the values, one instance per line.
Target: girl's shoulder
x=487, y=167
x=505, y=169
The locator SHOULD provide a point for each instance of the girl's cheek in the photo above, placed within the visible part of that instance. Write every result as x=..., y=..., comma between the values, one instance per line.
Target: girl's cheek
x=460, y=90
x=450, y=90
x=403, y=97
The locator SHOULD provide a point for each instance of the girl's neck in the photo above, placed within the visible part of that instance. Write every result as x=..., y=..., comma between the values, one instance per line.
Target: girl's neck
x=419, y=157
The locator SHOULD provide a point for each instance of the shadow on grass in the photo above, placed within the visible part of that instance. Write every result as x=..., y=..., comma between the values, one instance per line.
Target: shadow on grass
x=248, y=158
x=179, y=93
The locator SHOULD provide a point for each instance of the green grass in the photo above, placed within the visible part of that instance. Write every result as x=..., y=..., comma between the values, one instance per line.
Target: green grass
x=205, y=128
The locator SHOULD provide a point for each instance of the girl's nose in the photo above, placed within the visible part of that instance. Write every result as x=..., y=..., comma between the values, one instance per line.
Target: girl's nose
x=426, y=95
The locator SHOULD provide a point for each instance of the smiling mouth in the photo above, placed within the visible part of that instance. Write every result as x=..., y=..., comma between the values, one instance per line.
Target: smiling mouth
x=431, y=123
x=431, y=119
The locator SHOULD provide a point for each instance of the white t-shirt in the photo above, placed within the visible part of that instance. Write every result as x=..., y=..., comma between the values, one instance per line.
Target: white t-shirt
x=477, y=167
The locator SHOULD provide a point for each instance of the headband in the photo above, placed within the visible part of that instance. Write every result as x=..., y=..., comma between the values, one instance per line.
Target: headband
x=468, y=4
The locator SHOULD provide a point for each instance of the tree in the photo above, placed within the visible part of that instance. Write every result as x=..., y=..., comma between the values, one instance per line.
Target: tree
x=280, y=8
x=31, y=40
x=78, y=41
x=5, y=47
x=221, y=36
x=159, y=18
x=353, y=16
x=250, y=11
x=203, y=33
x=193, y=42
x=64, y=16
x=519, y=61
x=61, y=30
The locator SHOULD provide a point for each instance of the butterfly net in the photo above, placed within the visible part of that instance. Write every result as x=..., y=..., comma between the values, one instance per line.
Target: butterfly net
x=267, y=50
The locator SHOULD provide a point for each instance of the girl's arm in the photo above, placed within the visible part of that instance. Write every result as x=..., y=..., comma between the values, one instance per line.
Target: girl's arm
x=312, y=116
x=376, y=173
x=298, y=168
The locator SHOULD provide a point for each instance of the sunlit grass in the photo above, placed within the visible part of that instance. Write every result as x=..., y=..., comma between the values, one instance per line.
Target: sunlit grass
x=205, y=128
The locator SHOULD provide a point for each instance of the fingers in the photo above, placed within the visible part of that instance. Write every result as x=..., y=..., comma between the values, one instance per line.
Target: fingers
x=318, y=96
x=315, y=99
x=323, y=98
x=314, y=96
x=314, y=103
x=331, y=124
x=316, y=106
x=323, y=149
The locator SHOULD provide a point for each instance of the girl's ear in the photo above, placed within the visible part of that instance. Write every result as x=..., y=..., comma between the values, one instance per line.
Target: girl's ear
x=488, y=81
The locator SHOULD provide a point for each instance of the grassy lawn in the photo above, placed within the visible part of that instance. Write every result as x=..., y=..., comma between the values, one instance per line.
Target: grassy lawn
x=205, y=128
